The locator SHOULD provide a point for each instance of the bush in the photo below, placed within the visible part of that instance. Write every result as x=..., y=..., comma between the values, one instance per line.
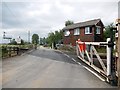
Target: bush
x=67, y=48
x=101, y=49
x=4, y=51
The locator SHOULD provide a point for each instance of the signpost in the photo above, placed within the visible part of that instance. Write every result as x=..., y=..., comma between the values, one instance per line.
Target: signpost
x=4, y=36
x=18, y=40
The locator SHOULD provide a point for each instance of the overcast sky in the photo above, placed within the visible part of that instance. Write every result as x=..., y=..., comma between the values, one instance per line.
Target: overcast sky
x=49, y=15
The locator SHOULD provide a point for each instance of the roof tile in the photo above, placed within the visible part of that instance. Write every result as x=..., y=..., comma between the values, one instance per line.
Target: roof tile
x=82, y=24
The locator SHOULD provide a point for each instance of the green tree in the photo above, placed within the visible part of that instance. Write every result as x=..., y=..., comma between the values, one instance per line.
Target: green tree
x=55, y=37
x=69, y=22
x=51, y=38
x=58, y=36
x=35, y=39
x=41, y=41
x=44, y=40
x=22, y=42
x=107, y=31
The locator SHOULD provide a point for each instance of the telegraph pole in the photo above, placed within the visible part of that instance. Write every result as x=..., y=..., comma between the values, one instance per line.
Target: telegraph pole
x=118, y=50
x=118, y=44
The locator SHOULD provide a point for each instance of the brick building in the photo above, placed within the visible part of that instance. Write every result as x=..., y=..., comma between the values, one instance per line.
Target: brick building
x=88, y=31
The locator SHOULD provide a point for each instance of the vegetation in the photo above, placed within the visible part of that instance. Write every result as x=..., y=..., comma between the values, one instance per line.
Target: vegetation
x=101, y=49
x=68, y=48
x=35, y=39
x=69, y=22
x=55, y=37
x=5, y=49
x=107, y=32
x=42, y=41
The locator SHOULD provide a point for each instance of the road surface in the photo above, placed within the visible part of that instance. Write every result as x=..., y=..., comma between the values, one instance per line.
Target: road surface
x=47, y=68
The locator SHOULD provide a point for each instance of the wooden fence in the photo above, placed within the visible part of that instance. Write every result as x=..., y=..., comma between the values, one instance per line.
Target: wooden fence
x=13, y=50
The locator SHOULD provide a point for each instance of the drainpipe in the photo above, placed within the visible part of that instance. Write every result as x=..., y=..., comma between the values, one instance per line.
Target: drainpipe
x=95, y=34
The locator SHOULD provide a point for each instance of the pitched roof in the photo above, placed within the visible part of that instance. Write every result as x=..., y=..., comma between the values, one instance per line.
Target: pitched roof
x=82, y=24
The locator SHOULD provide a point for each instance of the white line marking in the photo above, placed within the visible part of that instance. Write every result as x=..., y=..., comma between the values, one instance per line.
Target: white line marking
x=76, y=61
x=94, y=73
x=73, y=59
x=60, y=51
x=67, y=55
x=79, y=63
x=86, y=68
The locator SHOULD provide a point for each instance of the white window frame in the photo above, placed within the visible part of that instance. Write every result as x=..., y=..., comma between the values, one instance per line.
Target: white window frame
x=98, y=29
x=66, y=33
x=87, y=30
x=76, y=31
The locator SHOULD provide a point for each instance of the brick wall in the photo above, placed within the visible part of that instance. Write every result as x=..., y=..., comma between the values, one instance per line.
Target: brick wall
x=71, y=39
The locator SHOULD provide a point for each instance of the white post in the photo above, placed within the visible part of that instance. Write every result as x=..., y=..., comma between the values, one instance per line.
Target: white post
x=77, y=49
x=52, y=45
x=108, y=60
x=91, y=54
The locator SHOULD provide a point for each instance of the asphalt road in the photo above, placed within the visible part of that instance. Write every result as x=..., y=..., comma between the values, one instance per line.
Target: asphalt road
x=46, y=68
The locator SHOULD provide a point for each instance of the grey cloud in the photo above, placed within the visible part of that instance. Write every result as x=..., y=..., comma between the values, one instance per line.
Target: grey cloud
x=43, y=17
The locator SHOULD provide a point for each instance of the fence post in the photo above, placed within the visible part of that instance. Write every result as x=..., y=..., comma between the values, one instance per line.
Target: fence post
x=17, y=50
x=118, y=48
x=52, y=45
x=77, y=50
x=108, y=61
x=91, y=53
x=9, y=50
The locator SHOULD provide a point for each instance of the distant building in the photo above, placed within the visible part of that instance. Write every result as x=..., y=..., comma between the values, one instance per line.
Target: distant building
x=88, y=31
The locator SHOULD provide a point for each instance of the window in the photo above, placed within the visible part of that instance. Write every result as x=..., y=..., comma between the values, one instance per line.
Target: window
x=77, y=31
x=97, y=30
x=88, y=30
x=67, y=33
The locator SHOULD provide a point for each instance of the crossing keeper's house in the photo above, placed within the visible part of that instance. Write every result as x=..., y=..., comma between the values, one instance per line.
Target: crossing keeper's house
x=88, y=31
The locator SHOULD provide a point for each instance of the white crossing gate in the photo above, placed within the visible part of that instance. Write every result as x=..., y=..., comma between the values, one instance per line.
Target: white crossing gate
x=87, y=52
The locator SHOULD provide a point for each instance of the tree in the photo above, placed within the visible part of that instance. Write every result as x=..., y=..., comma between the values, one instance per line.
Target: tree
x=55, y=37
x=51, y=38
x=107, y=32
x=35, y=39
x=58, y=36
x=42, y=41
x=22, y=42
x=69, y=22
